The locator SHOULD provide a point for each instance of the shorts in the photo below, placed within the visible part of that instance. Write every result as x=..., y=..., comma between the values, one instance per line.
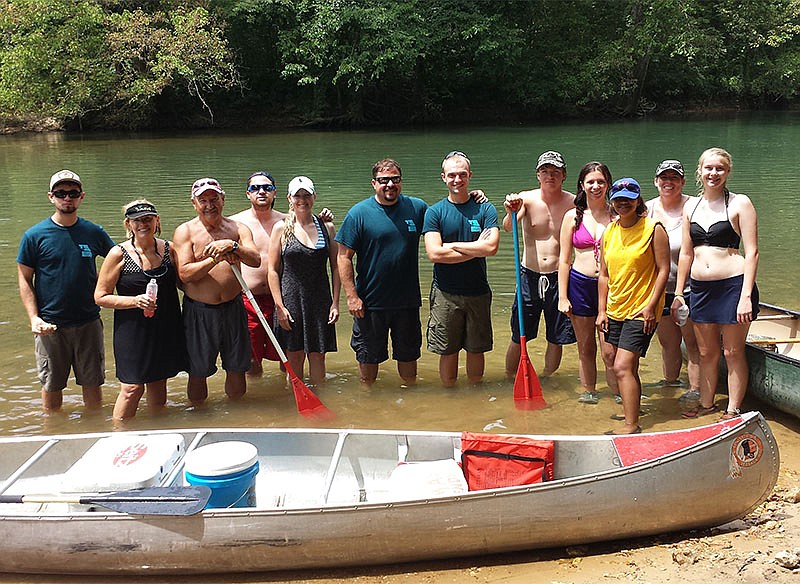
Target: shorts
x=459, y=322
x=558, y=328
x=715, y=301
x=216, y=329
x=582, y=294
x=370, y=338
x=629, y=335
x=260, y=345
x=79, y=348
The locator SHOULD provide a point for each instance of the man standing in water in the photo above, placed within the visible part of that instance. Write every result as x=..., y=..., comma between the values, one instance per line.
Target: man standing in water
x=260, y=217
x=213, y=313
x=57, y=275
x=384, y=232
x=540, y=213
x=459, y=235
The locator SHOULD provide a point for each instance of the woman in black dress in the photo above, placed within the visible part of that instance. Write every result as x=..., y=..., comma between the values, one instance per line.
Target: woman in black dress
x=149, y=345
x=306, y=308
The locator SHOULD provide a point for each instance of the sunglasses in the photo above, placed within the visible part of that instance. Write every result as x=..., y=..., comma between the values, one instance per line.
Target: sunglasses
x=384, y=180
x=202, y=183
x=455, y=153
x=64, y=194
x=257, y=188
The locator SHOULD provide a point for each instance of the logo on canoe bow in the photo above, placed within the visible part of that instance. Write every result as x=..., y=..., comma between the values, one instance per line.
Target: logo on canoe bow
x=747, y=450
x=130, y=454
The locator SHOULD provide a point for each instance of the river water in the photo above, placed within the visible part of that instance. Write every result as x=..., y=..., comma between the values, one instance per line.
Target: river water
x=118, y=168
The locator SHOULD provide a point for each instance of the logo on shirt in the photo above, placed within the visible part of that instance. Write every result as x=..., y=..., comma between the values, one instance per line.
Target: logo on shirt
x=410, y=225
x=474, y=226
x=86, y=251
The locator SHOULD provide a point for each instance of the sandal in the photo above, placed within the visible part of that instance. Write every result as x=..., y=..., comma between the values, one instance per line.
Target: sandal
x=729, y=415
x=700, y=410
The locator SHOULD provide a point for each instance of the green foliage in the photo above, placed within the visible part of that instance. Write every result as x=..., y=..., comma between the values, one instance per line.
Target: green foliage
x=70, y=59
x=356, y=62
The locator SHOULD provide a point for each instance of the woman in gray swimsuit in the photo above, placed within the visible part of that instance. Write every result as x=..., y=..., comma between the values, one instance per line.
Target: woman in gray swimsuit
x=668, y=209
x=723, y=296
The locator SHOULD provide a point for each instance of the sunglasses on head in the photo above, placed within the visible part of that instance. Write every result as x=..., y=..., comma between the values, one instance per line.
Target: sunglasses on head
x=61, y=194
x=384, y=180
x=256, y=188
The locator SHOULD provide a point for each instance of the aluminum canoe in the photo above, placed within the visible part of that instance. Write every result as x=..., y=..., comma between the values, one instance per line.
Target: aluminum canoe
x=773, y=355
x=325, y=498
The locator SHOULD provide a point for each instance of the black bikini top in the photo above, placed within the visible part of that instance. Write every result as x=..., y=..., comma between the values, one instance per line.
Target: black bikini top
x=719, y=234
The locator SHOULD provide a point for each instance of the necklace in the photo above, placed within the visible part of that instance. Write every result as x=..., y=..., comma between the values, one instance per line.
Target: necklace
x=138, y=255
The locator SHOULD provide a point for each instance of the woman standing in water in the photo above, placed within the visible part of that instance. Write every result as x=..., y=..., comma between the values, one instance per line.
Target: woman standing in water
x=723, y=297
x=634, y=266
x=149, y=345
x=667, y=209
x=581, y=232
x=306, y=308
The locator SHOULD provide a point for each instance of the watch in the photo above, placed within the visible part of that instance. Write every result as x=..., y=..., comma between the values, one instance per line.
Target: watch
x=235, y=246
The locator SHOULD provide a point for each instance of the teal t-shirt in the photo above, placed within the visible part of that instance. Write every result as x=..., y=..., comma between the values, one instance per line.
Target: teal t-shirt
x=461, y=222
x=385, y=239
x=65, y=273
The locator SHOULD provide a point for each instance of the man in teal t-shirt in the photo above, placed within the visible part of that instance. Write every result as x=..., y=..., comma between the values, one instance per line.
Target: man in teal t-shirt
x=459, y=235
x=384, y=298
x=57, y=276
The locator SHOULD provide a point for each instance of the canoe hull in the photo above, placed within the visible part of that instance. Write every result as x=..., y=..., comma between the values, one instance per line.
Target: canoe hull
x=774, y=376
x=706, y=484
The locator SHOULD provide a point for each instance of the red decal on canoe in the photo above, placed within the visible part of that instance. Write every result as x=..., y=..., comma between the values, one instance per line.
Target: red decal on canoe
x=636, y=448
x=747, y=449
x=130, y=454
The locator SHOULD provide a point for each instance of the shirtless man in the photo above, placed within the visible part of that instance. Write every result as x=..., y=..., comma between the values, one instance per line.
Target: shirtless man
x=213, y=313
x=541, y=212
x=260, y=217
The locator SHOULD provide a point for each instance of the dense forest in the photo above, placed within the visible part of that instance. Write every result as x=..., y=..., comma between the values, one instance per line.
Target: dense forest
x=105, y=64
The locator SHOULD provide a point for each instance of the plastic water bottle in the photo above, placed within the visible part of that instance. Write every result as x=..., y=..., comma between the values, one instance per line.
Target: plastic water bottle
x=683, y=314
x=152, y=292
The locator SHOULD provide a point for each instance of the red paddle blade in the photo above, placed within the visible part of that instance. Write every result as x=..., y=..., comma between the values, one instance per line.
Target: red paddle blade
x=308, y=404
x=527, y=389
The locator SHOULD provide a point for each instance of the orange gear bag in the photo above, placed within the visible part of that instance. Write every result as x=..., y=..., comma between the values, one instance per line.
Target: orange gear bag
x=490, y=461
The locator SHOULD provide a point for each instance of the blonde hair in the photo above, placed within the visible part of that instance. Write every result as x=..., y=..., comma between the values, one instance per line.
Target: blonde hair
x=126, y=222
x=720, y=153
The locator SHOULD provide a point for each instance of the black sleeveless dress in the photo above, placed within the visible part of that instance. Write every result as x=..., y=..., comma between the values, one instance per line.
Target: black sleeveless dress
x=306, y=293
x=149, y=349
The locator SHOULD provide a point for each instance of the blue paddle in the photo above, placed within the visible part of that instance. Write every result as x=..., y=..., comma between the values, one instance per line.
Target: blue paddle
x=527, y=389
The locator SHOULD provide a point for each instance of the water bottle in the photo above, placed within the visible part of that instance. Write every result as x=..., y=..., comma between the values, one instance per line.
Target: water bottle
x=152, y=292
x=683, y=314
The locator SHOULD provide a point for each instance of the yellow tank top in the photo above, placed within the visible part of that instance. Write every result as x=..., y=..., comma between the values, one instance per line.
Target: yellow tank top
x=631, y=265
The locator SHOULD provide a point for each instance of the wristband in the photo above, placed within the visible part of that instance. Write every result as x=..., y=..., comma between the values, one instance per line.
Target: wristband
x=679, y=296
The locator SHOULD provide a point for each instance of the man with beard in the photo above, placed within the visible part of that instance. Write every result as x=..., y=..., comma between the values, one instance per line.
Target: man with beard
x=57, y=275
x=384, y=232
x=213, y=312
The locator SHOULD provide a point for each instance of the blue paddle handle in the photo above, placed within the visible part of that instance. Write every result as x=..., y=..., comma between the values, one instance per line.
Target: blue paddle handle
x=519, y=273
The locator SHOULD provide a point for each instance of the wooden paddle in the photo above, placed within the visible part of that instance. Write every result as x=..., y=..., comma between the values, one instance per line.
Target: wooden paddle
x=177, y=500
x=772, y=341
x=308, y=404
x=527, y=389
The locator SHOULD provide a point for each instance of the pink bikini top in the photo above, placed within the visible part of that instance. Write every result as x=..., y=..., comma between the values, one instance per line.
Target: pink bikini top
x=582, y=239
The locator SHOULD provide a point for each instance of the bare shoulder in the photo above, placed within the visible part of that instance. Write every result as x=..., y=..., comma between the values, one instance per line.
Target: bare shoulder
x=184, y=231
x=243, y=216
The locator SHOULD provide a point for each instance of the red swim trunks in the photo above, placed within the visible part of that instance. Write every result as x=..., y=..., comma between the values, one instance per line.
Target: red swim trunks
x=260, y=345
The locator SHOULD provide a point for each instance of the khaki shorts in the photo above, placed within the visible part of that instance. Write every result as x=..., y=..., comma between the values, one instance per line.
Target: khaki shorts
x=79, y=348
x=459, y=322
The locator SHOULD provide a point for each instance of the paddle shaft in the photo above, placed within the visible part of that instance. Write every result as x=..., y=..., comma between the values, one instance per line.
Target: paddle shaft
x=261, y=317
x=773, y=341
x=175, y=500
x=518, y=265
